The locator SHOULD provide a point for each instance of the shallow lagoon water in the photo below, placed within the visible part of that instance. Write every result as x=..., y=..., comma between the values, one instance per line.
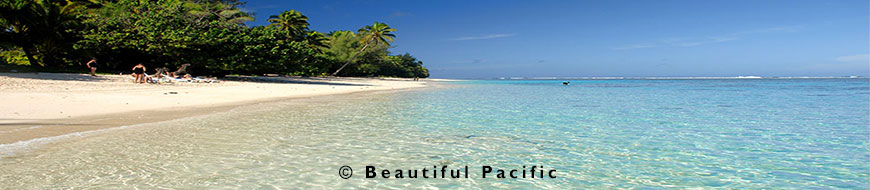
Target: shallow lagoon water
x=746, y=133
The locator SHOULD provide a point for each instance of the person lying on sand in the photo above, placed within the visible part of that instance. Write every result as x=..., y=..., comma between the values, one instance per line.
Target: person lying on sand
x=159, y=74
x=162, y=72
x=180, y=72
x=187, y=76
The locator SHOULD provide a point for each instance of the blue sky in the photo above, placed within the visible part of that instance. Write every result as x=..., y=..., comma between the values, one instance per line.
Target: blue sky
x=486, y=39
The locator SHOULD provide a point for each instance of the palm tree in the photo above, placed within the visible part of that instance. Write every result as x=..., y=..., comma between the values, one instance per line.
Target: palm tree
x=291, y=21
x=376, y=33
x=41, y=27
x=317, y=40
x=16, y=17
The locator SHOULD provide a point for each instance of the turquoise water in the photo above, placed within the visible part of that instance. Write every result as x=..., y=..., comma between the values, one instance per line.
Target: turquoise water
x=667, y=133
x=735, y=133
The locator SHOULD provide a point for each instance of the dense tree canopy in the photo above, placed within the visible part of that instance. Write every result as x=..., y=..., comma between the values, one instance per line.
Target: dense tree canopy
x=211, y=35
x=43, y=29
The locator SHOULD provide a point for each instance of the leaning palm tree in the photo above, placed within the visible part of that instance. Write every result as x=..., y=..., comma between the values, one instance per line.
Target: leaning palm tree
x=291, y=21
x=376, y=33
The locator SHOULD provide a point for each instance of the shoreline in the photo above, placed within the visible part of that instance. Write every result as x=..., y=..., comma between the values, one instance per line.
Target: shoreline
x=96, y=106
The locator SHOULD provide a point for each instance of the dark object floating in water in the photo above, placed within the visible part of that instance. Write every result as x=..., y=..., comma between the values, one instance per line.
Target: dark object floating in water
x=566, y=82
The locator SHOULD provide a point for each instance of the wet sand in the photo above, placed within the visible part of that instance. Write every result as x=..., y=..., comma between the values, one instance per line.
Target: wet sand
x=39, y=105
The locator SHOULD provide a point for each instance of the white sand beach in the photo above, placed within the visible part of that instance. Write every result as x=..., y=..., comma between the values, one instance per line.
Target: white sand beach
x=36, y=105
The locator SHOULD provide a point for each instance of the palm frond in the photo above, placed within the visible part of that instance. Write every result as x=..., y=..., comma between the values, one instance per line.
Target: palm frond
x=229, y=13
x=241, y=20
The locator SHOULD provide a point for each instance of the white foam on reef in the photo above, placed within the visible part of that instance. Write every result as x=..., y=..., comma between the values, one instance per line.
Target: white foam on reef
x=748, y=77
x=672, y=78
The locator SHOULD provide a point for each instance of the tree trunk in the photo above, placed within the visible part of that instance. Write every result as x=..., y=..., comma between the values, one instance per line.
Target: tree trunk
x=28, y=52
x=351, y=59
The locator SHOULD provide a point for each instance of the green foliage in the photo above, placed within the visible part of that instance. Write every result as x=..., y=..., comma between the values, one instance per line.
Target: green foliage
x=216, y=11
x=405, y=65
x=342, y=46
x=317, y=41
x=177, y=32
x=210, y=35
x=374, y=35
x=43, y=29
x=123, y=36
x=378, y=33
x=13, y=57
x=291, y=21
x=267, y=50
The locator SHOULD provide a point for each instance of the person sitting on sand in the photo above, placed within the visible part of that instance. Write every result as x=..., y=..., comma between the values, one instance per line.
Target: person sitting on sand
x=92, y=64
x=139, y=73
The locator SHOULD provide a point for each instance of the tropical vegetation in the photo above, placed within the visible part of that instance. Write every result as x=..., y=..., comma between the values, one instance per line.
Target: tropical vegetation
x=210, y=35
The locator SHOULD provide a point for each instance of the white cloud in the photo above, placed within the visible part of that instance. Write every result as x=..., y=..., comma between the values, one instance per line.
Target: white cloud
x=679, y=42
x=635, y=46
x=710, y=40
x=398, y=14
x=860, y=58
x=770, y=30
x=697, y=41
x=484, y=37
x=475, y=61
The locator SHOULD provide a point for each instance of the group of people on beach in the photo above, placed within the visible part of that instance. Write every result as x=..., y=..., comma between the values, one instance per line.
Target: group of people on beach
x=139, y=75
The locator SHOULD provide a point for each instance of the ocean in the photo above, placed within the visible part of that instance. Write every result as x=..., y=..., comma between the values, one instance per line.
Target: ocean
x=600, y=134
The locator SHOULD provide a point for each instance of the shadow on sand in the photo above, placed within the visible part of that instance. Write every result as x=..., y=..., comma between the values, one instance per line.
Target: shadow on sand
x=51, y=124
x=286, y=80
x=54, y=76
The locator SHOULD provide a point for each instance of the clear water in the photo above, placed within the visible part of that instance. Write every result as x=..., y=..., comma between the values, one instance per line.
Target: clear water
x=770, y=133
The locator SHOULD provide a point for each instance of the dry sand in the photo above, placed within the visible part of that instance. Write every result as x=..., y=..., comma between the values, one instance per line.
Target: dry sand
x=36, y=105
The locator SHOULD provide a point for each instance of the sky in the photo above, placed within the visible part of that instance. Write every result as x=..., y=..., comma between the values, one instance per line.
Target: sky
x=504, y=38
